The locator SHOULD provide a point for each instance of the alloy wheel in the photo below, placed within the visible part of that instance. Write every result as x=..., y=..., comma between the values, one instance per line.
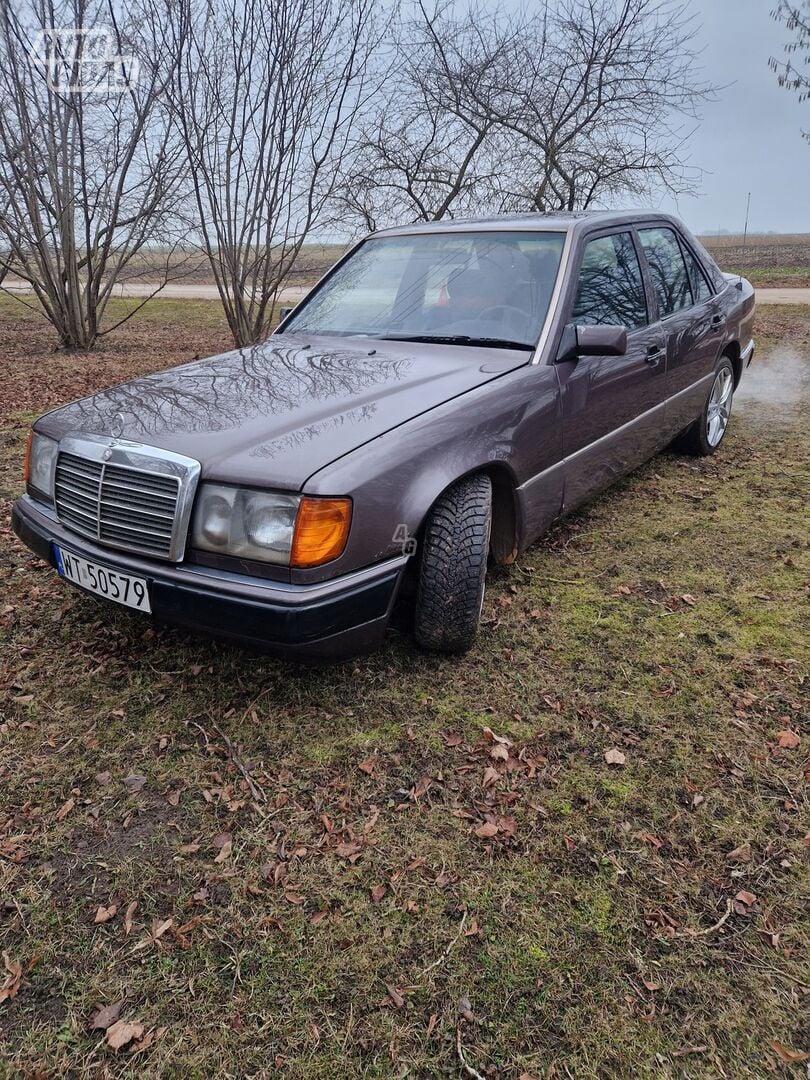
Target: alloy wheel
x=719, y=407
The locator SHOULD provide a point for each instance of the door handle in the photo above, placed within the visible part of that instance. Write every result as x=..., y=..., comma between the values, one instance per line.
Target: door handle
x=717, y=320
x=654, y=354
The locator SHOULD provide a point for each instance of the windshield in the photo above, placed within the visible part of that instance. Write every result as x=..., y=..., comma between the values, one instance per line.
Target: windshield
x=487, y=288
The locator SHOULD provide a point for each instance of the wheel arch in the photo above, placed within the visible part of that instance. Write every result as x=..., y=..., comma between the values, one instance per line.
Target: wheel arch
x=733, y=352
x=504, y=537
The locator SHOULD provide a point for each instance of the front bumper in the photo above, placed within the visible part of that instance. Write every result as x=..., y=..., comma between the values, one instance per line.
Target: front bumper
x=327, y=621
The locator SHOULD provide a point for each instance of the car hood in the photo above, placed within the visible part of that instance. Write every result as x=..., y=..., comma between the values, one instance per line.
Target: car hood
x=277, y=412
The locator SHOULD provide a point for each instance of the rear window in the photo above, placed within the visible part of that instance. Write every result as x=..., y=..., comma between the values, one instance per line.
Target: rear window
x=697, y=279
x=667, y=270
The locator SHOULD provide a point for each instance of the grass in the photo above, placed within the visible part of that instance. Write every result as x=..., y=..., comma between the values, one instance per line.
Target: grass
x=330, y=926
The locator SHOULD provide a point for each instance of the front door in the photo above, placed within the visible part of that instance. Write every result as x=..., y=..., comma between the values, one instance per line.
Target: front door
x=612, y=406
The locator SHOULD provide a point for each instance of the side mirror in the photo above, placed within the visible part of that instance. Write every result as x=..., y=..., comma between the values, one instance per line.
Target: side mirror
x=592, y=341
x=283, y=312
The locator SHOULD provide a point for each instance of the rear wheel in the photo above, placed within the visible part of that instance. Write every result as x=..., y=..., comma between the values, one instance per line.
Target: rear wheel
x=704, y=436
x=450, y=591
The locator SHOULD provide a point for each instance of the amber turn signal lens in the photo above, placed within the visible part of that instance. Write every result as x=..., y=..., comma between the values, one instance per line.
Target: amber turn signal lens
x=321, y=530
x=27, y=459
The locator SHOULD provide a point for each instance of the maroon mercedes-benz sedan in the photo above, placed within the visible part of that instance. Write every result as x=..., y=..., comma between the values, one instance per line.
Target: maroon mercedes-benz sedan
x=442, y=395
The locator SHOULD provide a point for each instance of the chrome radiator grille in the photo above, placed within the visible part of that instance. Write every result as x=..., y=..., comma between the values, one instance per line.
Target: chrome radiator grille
x=143, y=510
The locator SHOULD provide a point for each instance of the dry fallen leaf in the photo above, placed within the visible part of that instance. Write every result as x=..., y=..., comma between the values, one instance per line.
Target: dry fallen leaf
x=787, y=739
x=741, y=854
x=491, y=776
x=747, y=898
x=507, y=825
x=396, y=997
x=134, y=783
x=787, y=1055
x=349, y=849
x=377, y=893
x=104, y=1016
x=65, y=809
x=491, y=737
x=367, y=766
x=148, y=1039
x=122, y=1032
x=128, y=917
x=11, y=983
x=615, y=757
x=489, y=828
x=224, y=852
x=684, y=1051
x=104, y=914
x=160, y=926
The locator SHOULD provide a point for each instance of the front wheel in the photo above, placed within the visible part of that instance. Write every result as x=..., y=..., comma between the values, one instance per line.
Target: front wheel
x=450, y=591
x=704, y=436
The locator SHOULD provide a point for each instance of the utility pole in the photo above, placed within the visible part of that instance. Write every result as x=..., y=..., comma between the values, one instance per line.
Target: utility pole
x=745, y=230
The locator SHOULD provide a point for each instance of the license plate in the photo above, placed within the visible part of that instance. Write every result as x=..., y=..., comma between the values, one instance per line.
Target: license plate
x=111, y=584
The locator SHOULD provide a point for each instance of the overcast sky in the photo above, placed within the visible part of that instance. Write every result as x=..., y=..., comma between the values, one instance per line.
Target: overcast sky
x=750, y=138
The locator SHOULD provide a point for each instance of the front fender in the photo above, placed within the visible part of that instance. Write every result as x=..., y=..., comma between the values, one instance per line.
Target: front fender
x=511, y=426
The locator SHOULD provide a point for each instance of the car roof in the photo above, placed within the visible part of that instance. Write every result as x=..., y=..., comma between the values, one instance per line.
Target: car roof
x=556, y=221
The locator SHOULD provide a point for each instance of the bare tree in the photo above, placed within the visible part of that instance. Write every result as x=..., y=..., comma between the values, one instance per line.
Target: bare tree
x=575, y=103
x=266, y=95
x=87, y=162
x=794, y=72
x=430, y=149
x=601, y=93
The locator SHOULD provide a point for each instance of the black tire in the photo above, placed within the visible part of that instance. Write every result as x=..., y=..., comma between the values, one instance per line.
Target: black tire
x=695, y=440
x=450, y=591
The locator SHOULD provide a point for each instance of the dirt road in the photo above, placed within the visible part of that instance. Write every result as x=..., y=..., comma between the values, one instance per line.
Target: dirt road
x=292, y=294
x=172, y=291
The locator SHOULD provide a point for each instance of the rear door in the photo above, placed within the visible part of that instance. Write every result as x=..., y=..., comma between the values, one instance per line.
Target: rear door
x=612, y=405
x=691, y=321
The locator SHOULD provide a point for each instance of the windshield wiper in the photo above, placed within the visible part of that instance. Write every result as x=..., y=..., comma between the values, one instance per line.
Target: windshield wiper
x=460, y=339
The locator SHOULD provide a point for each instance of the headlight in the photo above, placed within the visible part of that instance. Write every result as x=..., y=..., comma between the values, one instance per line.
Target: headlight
x=40, y=465
x=291, y=530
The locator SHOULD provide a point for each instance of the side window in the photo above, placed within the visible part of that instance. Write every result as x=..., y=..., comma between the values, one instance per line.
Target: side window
x=667, y=269
x=697, y=279
x=611, y=289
